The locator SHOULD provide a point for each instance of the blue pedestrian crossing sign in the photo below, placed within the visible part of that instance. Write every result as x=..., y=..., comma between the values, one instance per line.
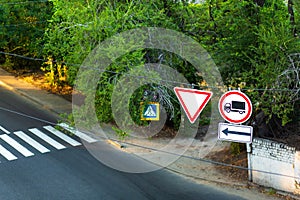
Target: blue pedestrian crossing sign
x=150, y=111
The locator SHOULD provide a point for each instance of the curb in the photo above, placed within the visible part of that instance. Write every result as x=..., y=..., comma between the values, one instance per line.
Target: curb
x=288, y=194
x=52, y=108
x=115, y=144
x=32, y=99
x=7, y=86
x=244, y=185
x=208, y=180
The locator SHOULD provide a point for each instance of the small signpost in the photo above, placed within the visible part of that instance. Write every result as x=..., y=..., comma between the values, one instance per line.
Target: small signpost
x=192, y=101
x=150, y=111
x=236, y=108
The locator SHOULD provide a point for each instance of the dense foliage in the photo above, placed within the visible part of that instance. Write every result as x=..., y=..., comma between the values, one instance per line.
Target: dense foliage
x=22, y=26
x=255, y=44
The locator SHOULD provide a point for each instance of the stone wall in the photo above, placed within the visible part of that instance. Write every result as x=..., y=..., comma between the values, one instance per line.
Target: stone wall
x=274, y=165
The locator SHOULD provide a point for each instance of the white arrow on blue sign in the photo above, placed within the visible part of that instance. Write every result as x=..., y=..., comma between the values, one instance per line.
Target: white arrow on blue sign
x=235, y=133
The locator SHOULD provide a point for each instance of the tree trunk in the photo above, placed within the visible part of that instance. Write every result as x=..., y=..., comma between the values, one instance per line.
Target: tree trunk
x=292, y=15
x=260, y=2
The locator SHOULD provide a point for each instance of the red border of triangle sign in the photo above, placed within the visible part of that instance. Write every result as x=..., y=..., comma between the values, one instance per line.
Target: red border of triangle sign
x=192, y=101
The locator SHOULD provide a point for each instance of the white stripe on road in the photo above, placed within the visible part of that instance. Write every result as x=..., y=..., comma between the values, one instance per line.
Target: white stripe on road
x=5, y=153
x=47, y=139
x=4, y=130
x=25, y=152
x=62, y=136
x=31, y=142
x=78, y=133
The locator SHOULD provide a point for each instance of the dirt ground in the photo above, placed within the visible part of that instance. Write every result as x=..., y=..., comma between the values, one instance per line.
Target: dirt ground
x=226, y=156
x=38, y=79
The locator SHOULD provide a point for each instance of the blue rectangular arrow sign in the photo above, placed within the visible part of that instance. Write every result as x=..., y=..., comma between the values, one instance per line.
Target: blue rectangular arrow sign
x=235, y=133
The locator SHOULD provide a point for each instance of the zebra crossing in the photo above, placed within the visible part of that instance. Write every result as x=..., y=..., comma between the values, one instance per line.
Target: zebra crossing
x=27, y=143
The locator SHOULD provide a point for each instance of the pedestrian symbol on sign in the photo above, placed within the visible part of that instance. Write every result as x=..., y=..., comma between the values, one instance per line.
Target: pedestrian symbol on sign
x=150, y=111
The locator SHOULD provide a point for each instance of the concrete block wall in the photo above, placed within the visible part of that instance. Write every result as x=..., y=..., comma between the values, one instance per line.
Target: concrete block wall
x=274, y=165
x=273, y=150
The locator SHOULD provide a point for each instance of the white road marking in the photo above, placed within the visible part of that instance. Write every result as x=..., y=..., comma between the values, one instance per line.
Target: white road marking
x=78, y=133
x=62, y=136
x=5, y=153
x=47, y=139
x=4, y=130
x=31, y=142
x=25, y=152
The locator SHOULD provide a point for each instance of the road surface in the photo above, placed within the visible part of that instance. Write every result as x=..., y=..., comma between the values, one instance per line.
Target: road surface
x=39, y=163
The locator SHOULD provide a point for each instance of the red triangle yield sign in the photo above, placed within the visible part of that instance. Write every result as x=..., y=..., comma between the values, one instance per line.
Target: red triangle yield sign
x=192, y=101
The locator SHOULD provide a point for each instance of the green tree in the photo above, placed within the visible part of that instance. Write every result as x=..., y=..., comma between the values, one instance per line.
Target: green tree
x=251, y=41
x=22, y=26
x=78, y=26
x=252, y=46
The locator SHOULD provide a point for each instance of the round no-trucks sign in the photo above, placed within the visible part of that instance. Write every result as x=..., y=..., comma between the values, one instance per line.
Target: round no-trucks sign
x=235, y=107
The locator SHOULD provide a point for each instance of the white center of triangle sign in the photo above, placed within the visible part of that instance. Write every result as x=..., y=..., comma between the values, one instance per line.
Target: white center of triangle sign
x=193, y=101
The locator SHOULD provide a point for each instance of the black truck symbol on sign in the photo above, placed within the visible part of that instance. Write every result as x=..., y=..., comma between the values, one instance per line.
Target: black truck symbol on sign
x=235, y=106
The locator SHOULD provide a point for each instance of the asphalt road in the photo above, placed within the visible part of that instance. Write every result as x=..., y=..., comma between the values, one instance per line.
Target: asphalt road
x=42, y=170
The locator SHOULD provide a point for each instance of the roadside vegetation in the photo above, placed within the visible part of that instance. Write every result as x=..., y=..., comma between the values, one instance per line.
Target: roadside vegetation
x=255, y=44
